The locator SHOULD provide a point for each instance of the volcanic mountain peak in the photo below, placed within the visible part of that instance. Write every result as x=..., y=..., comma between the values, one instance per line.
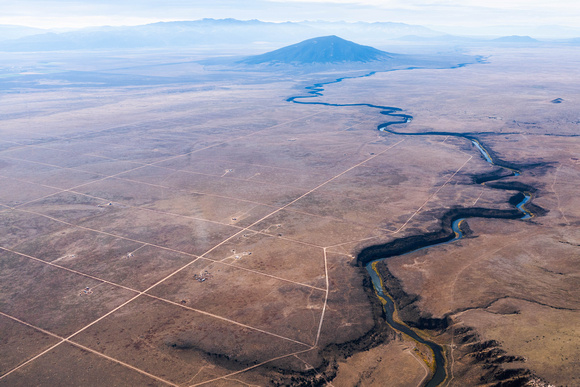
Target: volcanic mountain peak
x=515, y=39
x=325, y=49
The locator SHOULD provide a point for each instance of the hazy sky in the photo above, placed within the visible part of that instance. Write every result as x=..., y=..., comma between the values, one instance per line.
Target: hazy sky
x=81, y=13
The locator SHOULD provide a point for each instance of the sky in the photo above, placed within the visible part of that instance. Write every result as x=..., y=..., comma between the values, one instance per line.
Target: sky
x=453, y=13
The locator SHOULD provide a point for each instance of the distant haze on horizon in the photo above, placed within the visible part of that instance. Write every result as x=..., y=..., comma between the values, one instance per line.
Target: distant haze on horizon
x=472, y=16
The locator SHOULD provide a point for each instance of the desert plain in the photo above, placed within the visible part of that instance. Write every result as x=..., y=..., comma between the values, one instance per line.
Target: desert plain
x=165, y=222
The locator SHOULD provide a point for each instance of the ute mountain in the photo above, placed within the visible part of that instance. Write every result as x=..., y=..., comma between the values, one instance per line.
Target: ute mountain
x=325, y=49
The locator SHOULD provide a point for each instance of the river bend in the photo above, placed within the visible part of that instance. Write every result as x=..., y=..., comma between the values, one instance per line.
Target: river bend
x=451, y=220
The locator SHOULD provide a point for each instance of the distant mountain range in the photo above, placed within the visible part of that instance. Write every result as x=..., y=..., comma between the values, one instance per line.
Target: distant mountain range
x=206, y=32
x=325, y=49
x=212, y=32
x=517, y=39
x=8, y=32
x=541, y=32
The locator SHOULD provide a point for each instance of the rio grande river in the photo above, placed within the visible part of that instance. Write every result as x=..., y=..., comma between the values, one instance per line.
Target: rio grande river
x=371, y=255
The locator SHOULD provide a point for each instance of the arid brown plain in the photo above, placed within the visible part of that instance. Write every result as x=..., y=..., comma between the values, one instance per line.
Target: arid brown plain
x=203, y=231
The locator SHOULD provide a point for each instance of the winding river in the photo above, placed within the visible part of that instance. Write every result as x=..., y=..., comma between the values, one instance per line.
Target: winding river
x=451, y=220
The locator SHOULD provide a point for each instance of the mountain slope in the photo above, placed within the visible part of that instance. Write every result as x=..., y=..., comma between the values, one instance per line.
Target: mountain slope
x=515, y=39
x=325, y=49
x=8, y=32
